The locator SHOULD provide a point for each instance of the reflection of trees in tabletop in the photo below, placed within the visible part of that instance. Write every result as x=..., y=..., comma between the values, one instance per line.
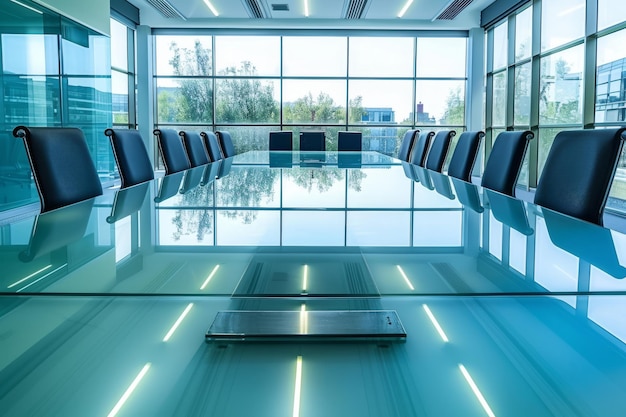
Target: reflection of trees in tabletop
x=321, y=180
x=198, y=221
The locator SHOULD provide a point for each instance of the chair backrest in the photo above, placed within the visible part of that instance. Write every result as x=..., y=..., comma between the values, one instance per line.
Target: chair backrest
x=420, y=148
x=226, y=143
x=131, y=156
x=312, y=141
x=407, y=145
x=505, y=161
x=578, y=172
x=281, y=141
x=194, y=147
x=439, y=150
x=349, y=141
x=61, y=164
x=172, y=151
x=464, y=155
x=212, y=146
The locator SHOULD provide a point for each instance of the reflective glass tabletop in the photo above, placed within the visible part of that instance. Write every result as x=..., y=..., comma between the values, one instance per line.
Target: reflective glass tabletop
x=508, y=308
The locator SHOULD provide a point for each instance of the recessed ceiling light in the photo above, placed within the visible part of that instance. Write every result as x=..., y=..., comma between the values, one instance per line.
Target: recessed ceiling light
x=210, y=6
x=28, y=7
x=404, y=8
x=306, y=8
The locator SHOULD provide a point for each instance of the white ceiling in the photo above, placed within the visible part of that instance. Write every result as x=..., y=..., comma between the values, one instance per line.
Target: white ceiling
x=324, y=14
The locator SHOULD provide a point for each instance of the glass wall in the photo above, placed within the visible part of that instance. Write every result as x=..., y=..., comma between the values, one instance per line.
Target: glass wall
x=544, y=45
x=53, y=72
x=251, y=85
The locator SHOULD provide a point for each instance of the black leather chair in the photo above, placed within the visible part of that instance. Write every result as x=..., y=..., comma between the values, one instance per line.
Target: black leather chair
x=61, y=164
x=212, y=146
x=128, y=201
x=226, y=143
x=406, y=146
x=420, y=148
x=439, y=150
x=464, y=155
x=281, y=141
x=131, y=156
x=578, y=172
x=196, y=152
x=509, y=211
x=172, y=151
x=505, y=161
x=349, y=141
x=312, y=141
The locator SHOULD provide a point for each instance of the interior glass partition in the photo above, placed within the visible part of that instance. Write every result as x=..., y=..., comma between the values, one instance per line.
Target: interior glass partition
x=53, y=72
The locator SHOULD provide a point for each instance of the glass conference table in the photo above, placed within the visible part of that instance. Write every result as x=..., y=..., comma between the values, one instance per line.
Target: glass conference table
x=287, y=284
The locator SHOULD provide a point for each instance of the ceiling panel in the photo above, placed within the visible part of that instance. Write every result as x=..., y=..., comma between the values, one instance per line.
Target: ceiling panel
x=377, y=14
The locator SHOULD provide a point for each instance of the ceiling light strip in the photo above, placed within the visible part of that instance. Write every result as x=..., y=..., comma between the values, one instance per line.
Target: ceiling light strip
x=205, y=283
x=297, y=388
x=211, y=7
x=404, y=8
x=129, y=390
x=27, y=6
x=405, y=277
x=305, y=278
x=306, y=8
x=177, y=323
x=476, y=391
x=435, y=323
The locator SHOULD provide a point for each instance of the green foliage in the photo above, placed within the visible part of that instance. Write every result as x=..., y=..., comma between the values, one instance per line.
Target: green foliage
x=454, y=113
x=241, y=100
x=308, y=109
x=554, y=108
x=195, y=98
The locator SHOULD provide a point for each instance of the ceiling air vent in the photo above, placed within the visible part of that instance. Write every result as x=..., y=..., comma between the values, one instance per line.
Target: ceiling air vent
x=166, y=9
x=354, y=9
x=254, y=8
x=453, y=9
x=280, y=7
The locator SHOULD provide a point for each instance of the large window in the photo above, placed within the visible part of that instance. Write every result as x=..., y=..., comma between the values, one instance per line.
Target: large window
x=562, y=73
x=250, y=85
x=123, y=75
x=53, y=72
